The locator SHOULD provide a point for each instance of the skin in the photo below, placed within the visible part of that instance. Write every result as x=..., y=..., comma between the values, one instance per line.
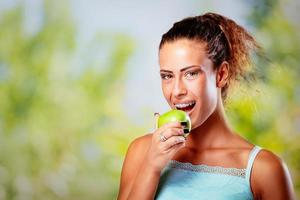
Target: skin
x=188, y=75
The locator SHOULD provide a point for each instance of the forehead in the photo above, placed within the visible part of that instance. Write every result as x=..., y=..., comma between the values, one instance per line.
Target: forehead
x=181, y=53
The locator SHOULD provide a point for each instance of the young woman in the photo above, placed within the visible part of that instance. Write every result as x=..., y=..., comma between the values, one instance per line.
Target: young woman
x=200, y=58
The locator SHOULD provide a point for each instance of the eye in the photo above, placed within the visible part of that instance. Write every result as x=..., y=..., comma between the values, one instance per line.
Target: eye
x=191, y=74
x=165, y=76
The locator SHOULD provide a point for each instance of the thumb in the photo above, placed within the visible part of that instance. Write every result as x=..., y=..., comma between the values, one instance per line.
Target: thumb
x=176, y=148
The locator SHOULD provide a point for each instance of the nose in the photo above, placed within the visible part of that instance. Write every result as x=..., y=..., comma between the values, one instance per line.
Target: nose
x=179, y=88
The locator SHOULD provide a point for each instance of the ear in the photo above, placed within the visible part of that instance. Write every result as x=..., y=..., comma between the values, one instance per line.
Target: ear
x=222, y=75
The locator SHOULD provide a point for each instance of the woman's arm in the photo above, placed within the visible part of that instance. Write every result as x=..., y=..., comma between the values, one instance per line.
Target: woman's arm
x=145, y=159
x=271, y=178
x=145, y=184
x=132, y=164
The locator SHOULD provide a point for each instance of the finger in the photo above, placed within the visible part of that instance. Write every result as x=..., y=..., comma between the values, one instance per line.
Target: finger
x=172, y=132
x=174, y=140
x=159, y=134
x=167, y=126
x=173, y=150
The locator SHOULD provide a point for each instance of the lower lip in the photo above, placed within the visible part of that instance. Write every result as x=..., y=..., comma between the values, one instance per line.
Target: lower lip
x=190, y=111
x=190, y=114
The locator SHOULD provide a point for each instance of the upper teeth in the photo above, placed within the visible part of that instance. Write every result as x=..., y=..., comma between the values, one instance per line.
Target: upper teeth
x=183, y=105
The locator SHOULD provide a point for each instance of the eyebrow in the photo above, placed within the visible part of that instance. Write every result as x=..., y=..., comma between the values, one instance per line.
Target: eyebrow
x=183, y=69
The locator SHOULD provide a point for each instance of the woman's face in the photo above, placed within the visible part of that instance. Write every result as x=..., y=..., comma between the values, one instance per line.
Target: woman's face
x=188, y=79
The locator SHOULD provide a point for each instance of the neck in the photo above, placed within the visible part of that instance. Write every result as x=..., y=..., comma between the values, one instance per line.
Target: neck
x=213, y=133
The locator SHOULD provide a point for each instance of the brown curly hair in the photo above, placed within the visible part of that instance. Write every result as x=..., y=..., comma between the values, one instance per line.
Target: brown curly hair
x=225, y=39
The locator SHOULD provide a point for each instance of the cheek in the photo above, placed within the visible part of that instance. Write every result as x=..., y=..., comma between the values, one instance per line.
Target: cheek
x=207, y=92
x=212, y=89
x=211, y=95
x=166, y=89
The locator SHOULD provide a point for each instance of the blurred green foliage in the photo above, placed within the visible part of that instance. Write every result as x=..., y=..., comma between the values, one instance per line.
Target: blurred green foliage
x=63, y=135
x=268, y=112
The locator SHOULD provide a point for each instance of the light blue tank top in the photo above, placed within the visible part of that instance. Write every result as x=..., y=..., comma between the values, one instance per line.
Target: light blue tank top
x=185, y=181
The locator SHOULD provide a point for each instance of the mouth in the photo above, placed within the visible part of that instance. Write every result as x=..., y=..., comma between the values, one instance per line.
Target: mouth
x=186, y=107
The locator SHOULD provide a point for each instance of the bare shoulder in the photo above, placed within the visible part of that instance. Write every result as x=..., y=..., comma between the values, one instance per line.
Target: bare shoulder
x=132, y=162
x=136, y=150
x=139, y=146
x=270, y=177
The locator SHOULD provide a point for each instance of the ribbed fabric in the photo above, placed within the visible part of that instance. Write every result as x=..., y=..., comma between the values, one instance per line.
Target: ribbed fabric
x=185, y=181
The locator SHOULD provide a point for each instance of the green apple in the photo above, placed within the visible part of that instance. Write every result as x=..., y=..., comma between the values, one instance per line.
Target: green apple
x=175, y=115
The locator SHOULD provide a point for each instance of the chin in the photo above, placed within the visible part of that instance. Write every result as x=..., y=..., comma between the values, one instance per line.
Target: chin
x=196, y=124
x=198, y=119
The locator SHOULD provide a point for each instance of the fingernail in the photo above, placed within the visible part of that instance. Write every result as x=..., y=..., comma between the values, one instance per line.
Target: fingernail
x=183, y=123
x=186, y=130
x=182, y=139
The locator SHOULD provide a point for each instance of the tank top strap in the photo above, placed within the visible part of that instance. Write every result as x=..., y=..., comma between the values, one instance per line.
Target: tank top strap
x=252, y=155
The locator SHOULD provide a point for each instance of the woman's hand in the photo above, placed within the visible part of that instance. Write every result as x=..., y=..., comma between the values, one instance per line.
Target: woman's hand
x=166, y=141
